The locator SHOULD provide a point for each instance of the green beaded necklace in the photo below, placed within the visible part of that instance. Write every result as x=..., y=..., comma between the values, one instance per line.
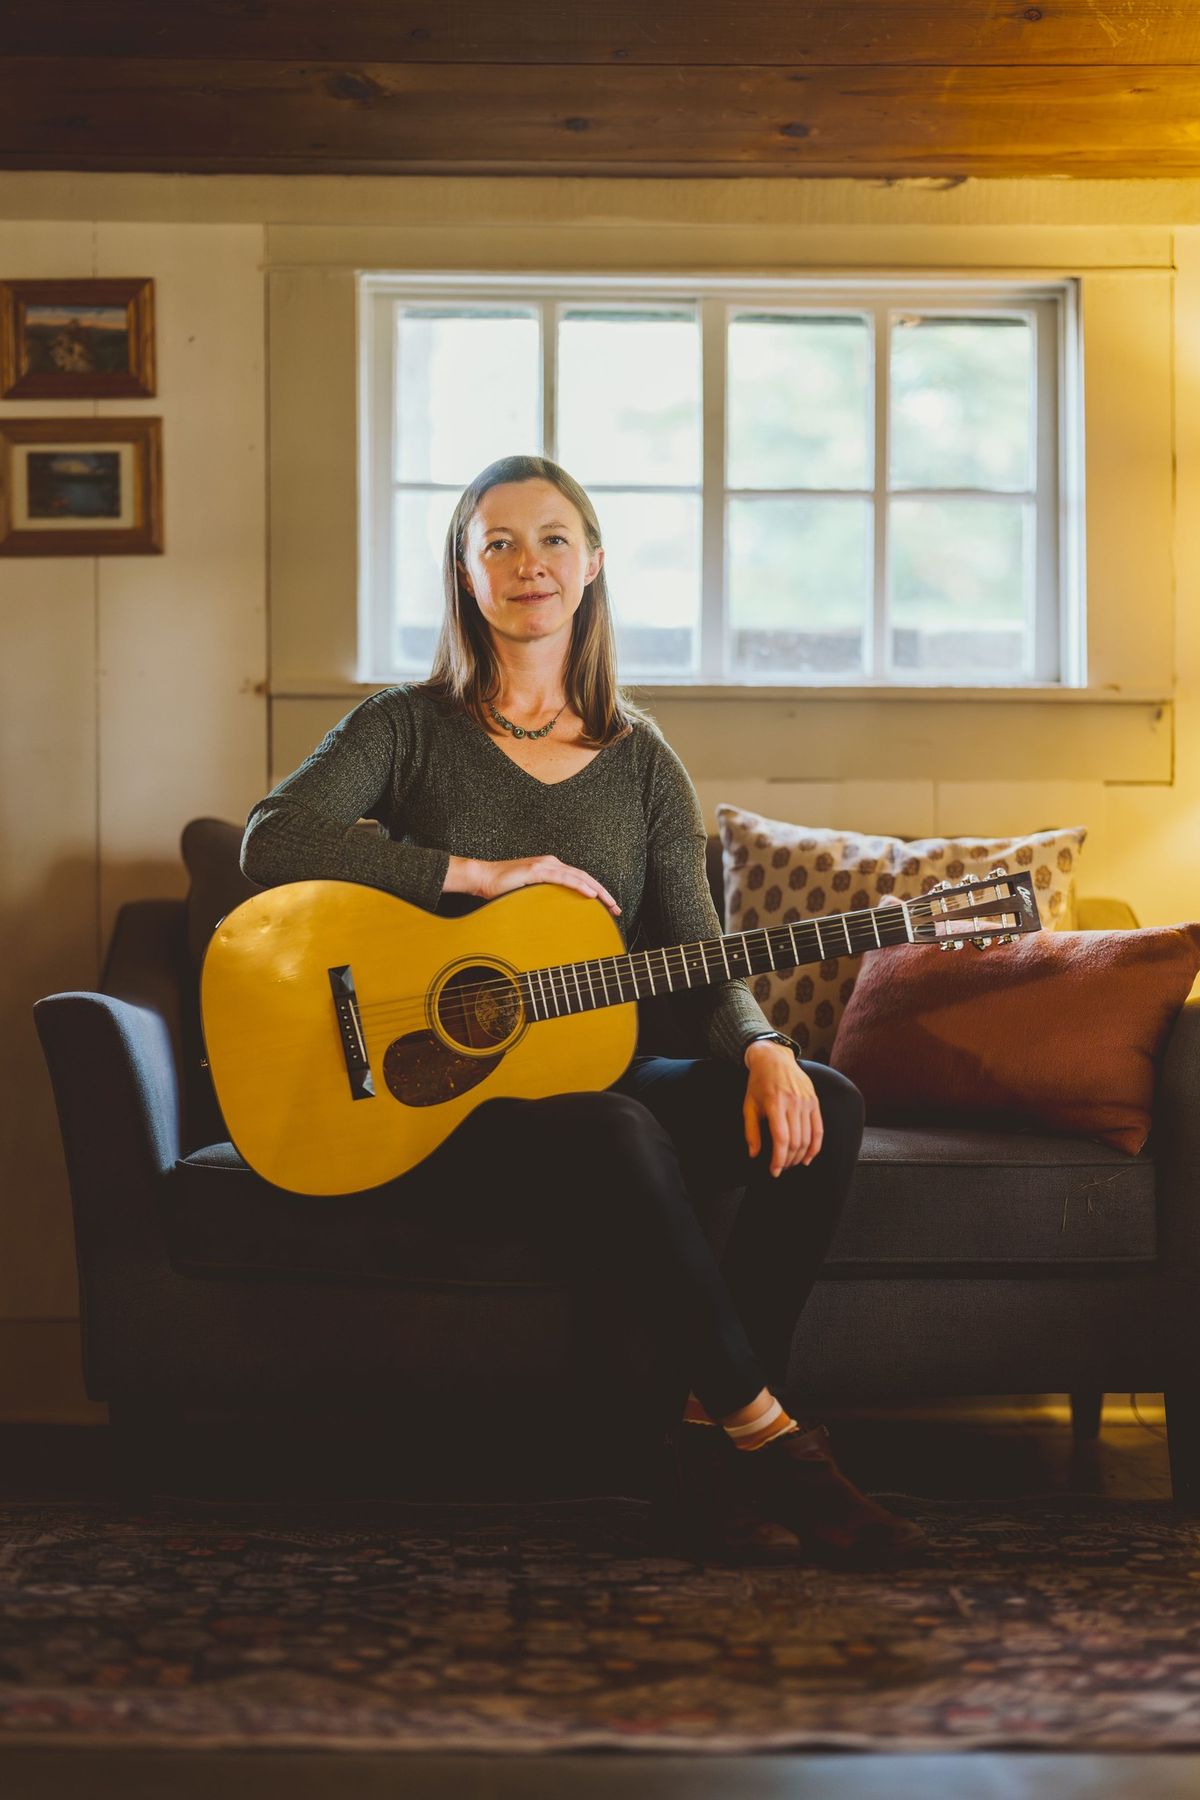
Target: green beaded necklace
x=520, y=731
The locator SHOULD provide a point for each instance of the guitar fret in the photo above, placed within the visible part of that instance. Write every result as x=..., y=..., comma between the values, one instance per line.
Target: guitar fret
x=547, y=992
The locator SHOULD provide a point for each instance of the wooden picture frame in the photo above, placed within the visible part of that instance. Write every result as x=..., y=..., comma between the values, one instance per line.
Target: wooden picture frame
x=81, y=487
x=71, y=340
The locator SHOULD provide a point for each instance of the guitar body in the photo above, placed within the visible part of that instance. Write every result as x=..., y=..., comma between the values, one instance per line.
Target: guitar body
x=348, y=1032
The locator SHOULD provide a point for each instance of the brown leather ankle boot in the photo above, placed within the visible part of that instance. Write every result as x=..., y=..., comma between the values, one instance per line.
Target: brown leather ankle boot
x=706, y=1514
x=795, y=1480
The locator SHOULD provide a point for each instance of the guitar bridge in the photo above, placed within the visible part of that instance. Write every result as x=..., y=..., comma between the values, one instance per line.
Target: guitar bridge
x=354, y=1046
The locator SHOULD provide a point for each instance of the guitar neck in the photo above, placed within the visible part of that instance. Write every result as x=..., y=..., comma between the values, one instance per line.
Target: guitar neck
x=563, y=988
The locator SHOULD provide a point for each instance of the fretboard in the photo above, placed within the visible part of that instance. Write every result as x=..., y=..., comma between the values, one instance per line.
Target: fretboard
x=562, y=988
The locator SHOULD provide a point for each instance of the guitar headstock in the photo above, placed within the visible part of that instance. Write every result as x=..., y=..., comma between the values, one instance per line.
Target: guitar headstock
x=982, y=910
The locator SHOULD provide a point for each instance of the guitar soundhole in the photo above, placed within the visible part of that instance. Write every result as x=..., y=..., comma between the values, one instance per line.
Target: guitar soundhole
x=479, y=1007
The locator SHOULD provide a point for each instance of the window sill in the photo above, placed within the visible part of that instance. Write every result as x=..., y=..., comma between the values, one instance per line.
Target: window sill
x=332, y=688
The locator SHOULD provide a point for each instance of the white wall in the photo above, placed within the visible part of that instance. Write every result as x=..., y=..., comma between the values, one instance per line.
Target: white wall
x=132, y=690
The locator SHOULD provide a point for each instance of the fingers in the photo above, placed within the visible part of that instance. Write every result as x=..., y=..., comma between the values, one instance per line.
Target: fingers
x=528, y=871
x=562, y=873
x=796, y=1127
x=750, y=1122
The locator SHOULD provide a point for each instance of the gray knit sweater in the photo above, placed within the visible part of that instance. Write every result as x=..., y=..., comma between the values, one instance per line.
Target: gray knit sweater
x=439, y=787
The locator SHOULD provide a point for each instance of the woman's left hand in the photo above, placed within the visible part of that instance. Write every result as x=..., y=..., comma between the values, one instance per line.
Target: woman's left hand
x=780, y=1093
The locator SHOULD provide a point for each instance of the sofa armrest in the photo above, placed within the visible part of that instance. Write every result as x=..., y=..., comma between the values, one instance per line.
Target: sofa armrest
x=116, y=1085
x=1095, y=912
x=1176, y=1143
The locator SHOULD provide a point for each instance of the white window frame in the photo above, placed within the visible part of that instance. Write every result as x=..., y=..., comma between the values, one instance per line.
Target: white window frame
x=1055, y=645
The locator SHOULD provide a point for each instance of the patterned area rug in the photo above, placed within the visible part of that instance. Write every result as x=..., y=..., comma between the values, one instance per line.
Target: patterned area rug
x=551, y=1626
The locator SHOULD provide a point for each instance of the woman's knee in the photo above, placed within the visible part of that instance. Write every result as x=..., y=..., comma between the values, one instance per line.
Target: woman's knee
x=842, y=1107
x=604, y=1127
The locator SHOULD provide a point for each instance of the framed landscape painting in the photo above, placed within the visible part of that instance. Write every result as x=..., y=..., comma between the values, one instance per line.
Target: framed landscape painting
x=81, y=487
x=67, y=340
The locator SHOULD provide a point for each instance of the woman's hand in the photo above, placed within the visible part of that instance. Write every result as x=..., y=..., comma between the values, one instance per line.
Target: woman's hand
x=467, y=875
x=779, y=1092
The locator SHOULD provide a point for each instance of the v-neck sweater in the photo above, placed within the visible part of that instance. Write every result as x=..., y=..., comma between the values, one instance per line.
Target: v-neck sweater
x=437, y=786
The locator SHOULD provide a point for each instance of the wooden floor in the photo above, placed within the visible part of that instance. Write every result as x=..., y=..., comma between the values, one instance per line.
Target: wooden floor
x=984, y=1449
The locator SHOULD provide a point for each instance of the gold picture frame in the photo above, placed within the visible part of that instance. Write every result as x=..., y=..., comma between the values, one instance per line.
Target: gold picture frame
x=70, y=340
x=81, y=487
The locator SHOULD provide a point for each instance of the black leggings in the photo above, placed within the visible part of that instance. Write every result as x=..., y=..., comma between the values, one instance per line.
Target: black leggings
x=605, y=1182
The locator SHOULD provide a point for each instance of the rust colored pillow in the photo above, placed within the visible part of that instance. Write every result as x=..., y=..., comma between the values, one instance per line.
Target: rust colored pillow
x=1061, y=1029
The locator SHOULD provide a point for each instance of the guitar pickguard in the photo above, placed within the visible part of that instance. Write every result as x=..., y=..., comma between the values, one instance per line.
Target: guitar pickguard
x=420, y=1070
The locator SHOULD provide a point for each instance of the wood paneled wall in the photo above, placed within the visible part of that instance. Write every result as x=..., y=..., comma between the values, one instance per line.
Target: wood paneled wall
x=688, y=87
x=132, y=697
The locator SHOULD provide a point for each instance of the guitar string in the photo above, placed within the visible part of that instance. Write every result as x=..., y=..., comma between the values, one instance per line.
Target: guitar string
x=414, y=1005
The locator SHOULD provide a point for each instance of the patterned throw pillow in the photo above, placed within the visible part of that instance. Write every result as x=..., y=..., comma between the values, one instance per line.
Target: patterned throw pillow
x=776, y=874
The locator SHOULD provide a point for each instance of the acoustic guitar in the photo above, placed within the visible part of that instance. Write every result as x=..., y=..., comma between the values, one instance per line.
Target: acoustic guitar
x=348, y=1032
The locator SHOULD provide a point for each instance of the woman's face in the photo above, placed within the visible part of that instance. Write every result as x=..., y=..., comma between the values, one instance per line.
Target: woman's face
x=527, y=561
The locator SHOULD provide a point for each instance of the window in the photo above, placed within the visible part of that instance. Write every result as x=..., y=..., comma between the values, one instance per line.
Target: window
x=799, y=483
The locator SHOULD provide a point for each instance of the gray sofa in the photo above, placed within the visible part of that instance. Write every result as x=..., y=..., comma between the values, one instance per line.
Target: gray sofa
x=968, y=1262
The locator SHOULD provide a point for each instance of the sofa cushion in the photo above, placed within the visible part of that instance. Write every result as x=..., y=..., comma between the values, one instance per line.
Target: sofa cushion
x=921, y=1198
x=1062, y=1030
x=941, y=1196
x=211, y=849
x=777, y=873
x=223, y=1219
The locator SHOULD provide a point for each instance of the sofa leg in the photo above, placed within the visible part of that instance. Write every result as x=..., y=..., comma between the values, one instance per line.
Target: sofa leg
x=1086, y=1407
x=1183, y=1445
x=138, y=1432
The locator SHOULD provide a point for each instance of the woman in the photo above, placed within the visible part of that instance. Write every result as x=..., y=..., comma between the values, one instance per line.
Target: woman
x=517, y=762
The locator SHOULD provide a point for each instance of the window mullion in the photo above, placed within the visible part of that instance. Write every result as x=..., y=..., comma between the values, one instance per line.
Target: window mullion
x=714, y=633
x=377, y=447
x=1048, y=660
x=878, y=657
x=549, y=311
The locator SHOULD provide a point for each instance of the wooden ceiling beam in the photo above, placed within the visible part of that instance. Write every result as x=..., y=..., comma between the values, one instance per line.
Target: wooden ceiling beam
x=620, y=33
x=260, y=117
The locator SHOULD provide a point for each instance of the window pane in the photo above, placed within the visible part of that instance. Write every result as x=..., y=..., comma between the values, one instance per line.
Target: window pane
x=958, y=581
x=961, y=413
x=652, y=565
x=420, y=523
x=629, y=397
x=468, y=390
x=799, y=586
x=799, y=402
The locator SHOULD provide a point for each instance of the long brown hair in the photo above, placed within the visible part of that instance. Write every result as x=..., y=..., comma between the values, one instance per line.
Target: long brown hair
x=465, y=670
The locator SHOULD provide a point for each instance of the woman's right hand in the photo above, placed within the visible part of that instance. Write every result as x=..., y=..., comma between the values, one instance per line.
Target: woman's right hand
x=468, y=875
